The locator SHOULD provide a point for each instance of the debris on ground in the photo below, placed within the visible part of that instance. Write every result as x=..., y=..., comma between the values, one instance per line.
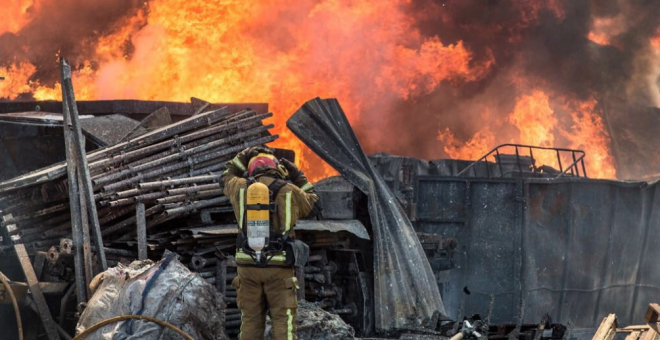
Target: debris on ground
x=316, y=324
x=166, y=290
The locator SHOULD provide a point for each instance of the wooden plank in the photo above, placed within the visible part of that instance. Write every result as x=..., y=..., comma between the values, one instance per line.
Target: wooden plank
x=607, y=328
x=652, y=316
x=649, y=334
x=634, y=335
x=633, y=328
x=37, y=295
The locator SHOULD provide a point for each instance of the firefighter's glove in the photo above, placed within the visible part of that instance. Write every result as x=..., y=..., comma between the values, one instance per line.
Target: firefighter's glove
x=256, y=150
x=292, y=169
x=317, y=211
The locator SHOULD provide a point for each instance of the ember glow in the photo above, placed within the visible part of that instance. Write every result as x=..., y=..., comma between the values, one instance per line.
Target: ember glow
x=417, y=78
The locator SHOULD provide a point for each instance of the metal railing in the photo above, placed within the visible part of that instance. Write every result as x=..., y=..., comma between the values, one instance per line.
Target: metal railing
x=572, y=170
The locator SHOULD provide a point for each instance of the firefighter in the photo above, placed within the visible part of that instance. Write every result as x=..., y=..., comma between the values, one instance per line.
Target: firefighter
x=268, y=196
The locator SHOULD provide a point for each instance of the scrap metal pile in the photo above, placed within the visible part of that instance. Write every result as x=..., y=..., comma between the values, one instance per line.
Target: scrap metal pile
x=145, y=182
x=171, y=171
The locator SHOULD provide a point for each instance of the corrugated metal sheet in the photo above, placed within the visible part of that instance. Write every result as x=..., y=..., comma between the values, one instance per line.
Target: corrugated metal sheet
x=405, y=290
x=576, y=249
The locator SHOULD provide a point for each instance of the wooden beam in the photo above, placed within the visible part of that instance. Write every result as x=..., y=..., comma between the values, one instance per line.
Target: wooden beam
x=652, y=316
x=607, y=328
x=37, y=294
x=634, y=335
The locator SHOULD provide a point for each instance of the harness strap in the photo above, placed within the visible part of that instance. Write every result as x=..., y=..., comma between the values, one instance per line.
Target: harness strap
x=275, y=187
x=270, y=207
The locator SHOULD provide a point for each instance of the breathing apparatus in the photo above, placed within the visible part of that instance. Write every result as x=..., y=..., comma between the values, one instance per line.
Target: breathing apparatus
x=258, y=218
x=257, y=239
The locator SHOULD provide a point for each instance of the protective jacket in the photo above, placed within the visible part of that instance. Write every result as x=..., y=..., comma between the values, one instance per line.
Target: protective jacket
x=291, y=200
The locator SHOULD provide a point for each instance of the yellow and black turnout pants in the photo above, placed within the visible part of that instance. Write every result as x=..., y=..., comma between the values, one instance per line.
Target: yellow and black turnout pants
x=262, y=289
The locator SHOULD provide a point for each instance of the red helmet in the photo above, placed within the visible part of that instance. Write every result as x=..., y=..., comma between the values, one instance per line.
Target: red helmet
x=261, y=162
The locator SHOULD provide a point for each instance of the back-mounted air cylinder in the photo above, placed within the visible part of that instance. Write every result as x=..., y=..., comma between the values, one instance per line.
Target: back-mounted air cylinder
x=258, y=217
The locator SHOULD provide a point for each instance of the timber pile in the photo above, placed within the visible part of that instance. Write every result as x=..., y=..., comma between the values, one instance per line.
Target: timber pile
x=609, y=328
x=173, y=172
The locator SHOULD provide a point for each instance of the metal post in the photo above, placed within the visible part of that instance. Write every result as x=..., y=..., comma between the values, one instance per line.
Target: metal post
x=487, y=167
x=87, y=190
x=499, y=163
x=518, y=161
x=40, y=301
x=577, y=169
x=141, y=222
x=74, y=202
x=561, y=169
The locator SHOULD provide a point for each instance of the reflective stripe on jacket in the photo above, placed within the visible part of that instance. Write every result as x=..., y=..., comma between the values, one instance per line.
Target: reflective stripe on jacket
x=292, y=204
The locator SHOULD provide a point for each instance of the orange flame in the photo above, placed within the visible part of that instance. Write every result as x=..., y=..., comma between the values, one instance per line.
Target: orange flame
x=15, y=14
x=588, y=133
x=604, y=29
x=17, y=80
x=477, y=146
x=655, y=41
x=355, y=51
x=368, y=54
x=537, y=121
x=599, y=38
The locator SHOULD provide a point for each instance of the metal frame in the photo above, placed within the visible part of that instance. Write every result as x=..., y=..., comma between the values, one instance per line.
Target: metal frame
x=573, y=167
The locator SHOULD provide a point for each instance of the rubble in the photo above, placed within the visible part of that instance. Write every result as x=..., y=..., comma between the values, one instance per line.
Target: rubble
x=316, y=324
x=167, y=292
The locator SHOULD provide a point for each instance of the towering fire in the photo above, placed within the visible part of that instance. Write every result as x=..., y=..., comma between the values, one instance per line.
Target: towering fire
x=416, y=77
